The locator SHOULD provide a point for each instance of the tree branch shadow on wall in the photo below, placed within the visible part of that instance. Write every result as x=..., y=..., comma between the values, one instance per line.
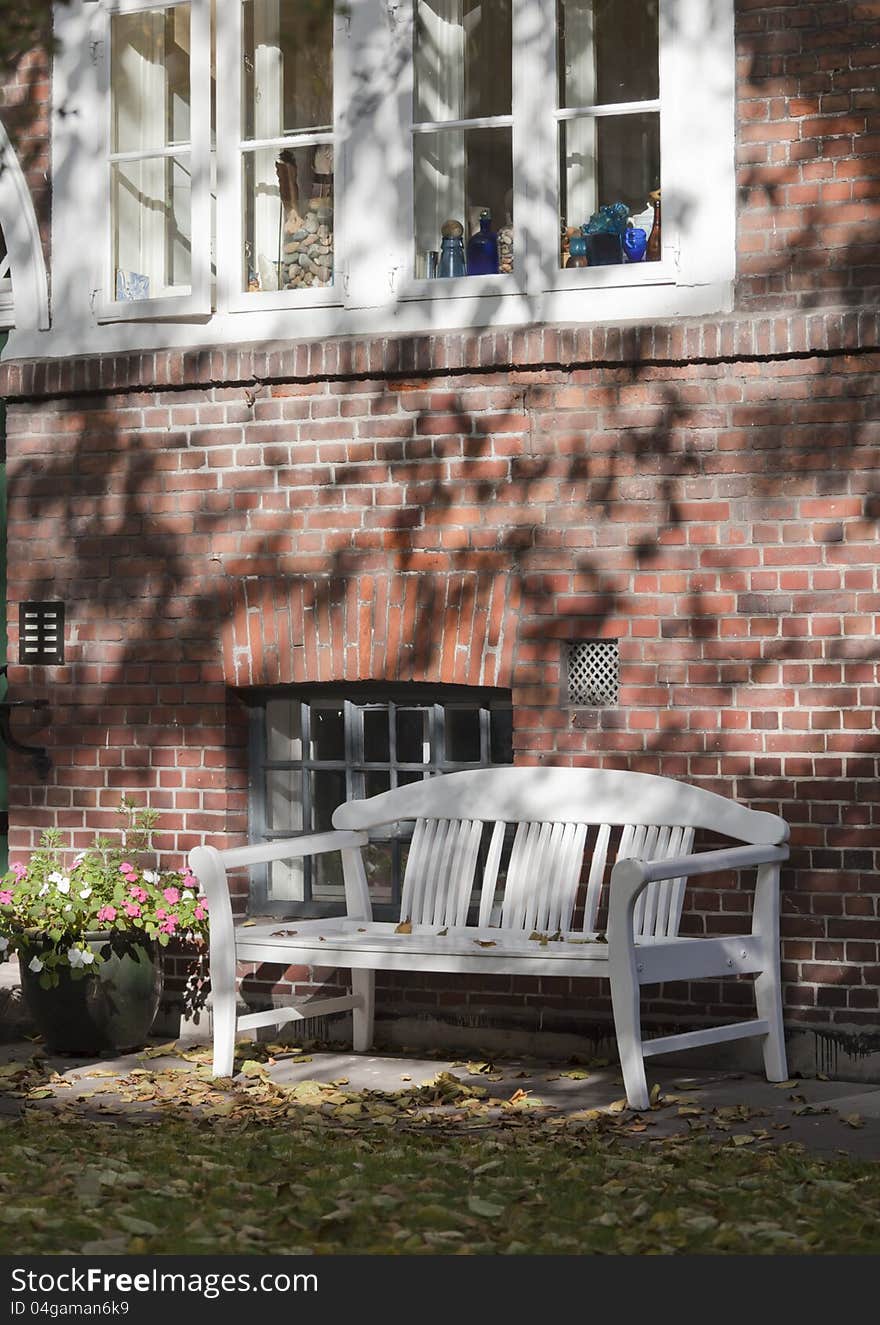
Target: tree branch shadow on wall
x=153, y=549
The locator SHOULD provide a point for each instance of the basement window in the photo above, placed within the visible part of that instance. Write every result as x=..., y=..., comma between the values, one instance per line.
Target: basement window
x=314, y=747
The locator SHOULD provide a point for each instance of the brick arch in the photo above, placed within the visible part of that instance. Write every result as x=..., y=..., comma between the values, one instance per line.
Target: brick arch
x=453, y=628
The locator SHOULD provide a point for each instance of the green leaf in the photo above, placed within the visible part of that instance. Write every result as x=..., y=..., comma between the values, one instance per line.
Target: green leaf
x=478, y=1206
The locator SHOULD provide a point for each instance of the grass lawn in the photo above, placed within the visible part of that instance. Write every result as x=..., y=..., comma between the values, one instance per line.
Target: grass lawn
x=178, y=1165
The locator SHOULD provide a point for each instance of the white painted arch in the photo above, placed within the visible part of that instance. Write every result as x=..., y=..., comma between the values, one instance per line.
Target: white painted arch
x=21, y=233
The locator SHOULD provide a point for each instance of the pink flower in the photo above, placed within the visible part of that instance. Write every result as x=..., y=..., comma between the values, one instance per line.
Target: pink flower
x=169, y=924
x=200, y=912
x=171, y=895
x=107, y=913
x=5, y=897
x=132, y=909
x=18, y=868
x=161, y=913
x=126, y=868
x=139, y=894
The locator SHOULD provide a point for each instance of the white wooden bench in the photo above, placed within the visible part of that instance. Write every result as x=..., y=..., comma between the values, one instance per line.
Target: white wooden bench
x=460, y=913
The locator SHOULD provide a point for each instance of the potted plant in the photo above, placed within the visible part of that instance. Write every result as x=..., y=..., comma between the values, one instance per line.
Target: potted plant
x=89, y=937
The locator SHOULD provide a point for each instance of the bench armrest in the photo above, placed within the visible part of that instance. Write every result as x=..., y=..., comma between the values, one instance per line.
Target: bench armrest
x=287, y=848
x=210, y=866
x=705, y=862
x=630, y=877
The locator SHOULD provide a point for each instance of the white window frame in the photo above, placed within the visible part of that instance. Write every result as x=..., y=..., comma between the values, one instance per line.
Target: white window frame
x=375, y=292
x=230, y=170
x=197, y=302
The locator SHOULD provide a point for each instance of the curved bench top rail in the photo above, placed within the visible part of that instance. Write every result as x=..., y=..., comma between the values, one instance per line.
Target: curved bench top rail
x=564, y=795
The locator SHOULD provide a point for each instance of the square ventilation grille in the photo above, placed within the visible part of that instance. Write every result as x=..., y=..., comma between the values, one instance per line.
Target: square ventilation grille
x=593, y=672
x=41, y=633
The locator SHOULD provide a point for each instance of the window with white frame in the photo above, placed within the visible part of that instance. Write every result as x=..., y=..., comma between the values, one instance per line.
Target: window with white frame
x=396, y=151
x=158, y=178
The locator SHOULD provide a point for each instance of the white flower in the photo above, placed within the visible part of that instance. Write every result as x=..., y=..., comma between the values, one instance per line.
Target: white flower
x=187, y=895
x=150, y=877
x=79, y=858
x=85, y=892
x=63, y=885
x=4, y=943
x=35, y=965
x=80, y=957
x=68, y=907
x=43, y=890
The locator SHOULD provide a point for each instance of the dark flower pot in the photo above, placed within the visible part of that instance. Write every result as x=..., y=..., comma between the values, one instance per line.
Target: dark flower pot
x=111, y=1007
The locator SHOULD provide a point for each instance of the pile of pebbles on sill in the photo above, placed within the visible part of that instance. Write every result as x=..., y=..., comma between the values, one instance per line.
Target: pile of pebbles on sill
x=505, y=249
x=308, y=248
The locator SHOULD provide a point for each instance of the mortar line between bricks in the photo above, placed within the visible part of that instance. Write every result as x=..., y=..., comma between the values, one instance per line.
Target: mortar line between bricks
x=568, y=366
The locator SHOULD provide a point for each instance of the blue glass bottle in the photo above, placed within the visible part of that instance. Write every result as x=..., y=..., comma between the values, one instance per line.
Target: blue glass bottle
x=451, y=250
x=482, y=249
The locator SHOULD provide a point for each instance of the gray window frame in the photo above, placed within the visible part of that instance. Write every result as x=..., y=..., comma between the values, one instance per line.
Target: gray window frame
x=355, y=699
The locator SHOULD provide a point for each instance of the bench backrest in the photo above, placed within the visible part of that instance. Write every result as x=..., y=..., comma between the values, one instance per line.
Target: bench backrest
x=558, y=815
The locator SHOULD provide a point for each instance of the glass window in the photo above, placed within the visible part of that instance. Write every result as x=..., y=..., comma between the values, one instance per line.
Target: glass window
x=609, y=131
x=462, y=158
x=316, y=749
x=441, y=139
x=150, y=163
x=287, y=145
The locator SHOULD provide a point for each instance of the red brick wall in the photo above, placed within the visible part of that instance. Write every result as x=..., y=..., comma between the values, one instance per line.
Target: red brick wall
x=453, y=508
x=717, y=517
x=808, y=153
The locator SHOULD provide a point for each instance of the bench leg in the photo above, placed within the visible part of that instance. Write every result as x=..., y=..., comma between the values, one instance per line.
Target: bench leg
x=768, y=1000
x=768, y=985
x=223, y=1020
x=363, y=984
x=627, y=1025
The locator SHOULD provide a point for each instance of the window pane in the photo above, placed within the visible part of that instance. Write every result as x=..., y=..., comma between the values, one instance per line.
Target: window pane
x=377, y=749
x=328, y=735
x=501, y=736
x=379, y=866
x=327, y=880
x=458, y=174
x=462, y=59
x=462, y=735
x=375, y=782
x=328, y=791
x=412, y=736
x=151, y=227
x=288, y=218
x=286, y=881
x=150, y=79
x=608, y=52
x=284, y=729
x=288, y=67
x=284, y=809
x=605, y=160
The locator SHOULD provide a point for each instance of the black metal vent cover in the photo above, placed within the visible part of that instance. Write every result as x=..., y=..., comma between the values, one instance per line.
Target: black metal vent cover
x=41, y=633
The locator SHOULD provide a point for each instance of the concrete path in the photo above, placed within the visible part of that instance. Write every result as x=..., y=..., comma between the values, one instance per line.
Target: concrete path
x=827, y=1117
